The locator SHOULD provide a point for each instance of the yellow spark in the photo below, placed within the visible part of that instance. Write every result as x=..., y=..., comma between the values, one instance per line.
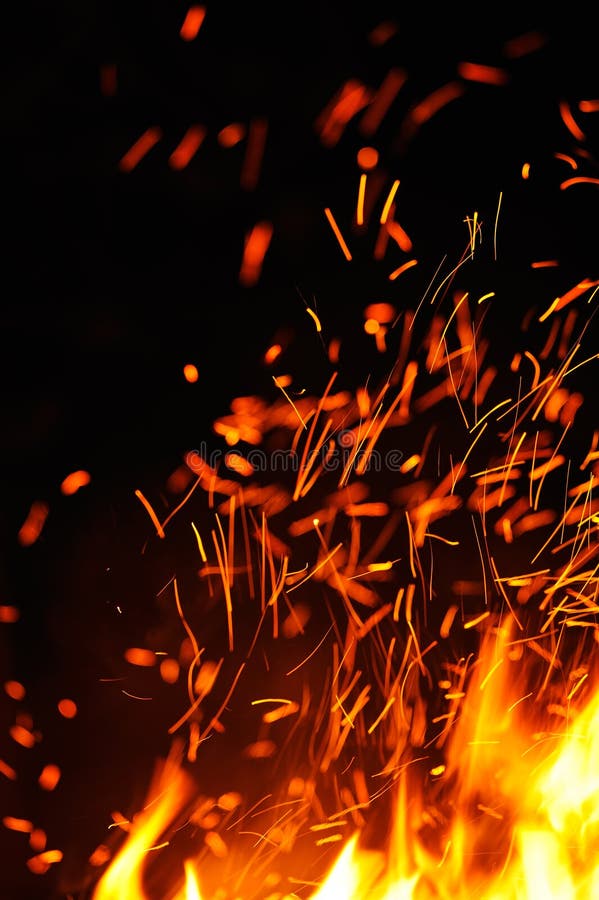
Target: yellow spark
x=315, y=317
x=389, y=201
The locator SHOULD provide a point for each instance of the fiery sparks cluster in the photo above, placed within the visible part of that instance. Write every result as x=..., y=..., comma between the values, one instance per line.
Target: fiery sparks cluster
x=441, y=723
x=380, y=640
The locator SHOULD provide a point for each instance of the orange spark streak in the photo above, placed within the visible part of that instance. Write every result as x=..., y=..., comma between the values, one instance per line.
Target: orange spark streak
x=524, y=44
x=589, y=106
x=192, y=23
x=431, y=105
x=349, y=100
x=382, y=100
x=256, y=143
x=526, y=171
x=22, y=736
x=568, y=297
x=399, y=236
x=7, y=771
x=570, y=122
x=472, y=622
x=580, y=179
x=337, y=233
x=256, y=244
x=32, y=526
x=188, y=146
x=544, y=264
x=22, y=825
x=485, y=74
x=397, y=272
x=151, y=513
x=568, y=159
x=49, y=777
x=140, y=148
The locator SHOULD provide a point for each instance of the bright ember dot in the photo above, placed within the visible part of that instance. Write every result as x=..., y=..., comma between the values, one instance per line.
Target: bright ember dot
x=14, y=689
x=231, y=134
x=38, y=840
x=138, y=656
x=371, y=326
x=367, y=158
x=49, y=777
x=32, y=526
x=169, y=670
x=191, y=373
x=74, y=481
x=67, y=708
x=272, y=354
x=9, y=614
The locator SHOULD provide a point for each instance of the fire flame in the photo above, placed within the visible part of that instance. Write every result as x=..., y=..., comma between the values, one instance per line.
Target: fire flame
x=512, y=814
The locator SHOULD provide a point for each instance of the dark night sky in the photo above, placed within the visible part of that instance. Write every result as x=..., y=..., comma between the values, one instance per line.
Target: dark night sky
x=113, y=281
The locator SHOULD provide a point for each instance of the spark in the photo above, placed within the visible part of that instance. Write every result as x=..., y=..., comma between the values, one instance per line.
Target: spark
x=389, y=201
x=399, y=271
x=313, y=315
x=140, y=148
x=151, y=513
x=257, y=243
x=580, y=179
x=187, y=147
x=336, y=231
x=570, y=122
x=361, y=196
x=484, y=74
x=33, y=525
x=432, y=104
x=382, y=101
x=495, y=225
x=73, y=482
x=192, y=23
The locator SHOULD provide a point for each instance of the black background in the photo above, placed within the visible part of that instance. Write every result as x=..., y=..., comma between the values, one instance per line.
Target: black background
x=113, y=281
